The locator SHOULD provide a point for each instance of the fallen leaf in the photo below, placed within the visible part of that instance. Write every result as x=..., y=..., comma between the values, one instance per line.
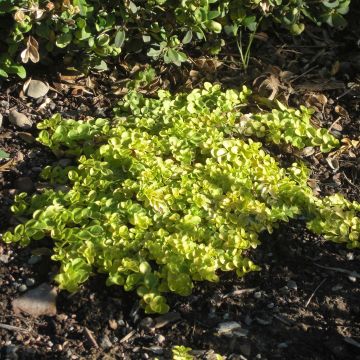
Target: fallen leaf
x=31, y=52
x=333, y=163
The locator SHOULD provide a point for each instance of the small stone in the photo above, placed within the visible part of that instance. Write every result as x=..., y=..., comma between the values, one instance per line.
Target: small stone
x=105, y=342
x=4, y=104
x=113, y=324
x=36, y=89
x=303, y=327
x=228, y=327
x=349, y=256
x=1, y=120
x=34, y=259
x=352, y=278
x=263, y=321
x=20, y=120
x=27, y=137
x=257, y=295
x=121, y=322
x=160, y=339
x=337, y=287
x=292, y=285
x=30, y=282
x=147, y=323
x=283, y=345
x=157, y=350
x=22, y=288
x=100, y=112
x=270, y=305
x=36, y=302
x=284, y=290
x=24, y=184
x=4, y=258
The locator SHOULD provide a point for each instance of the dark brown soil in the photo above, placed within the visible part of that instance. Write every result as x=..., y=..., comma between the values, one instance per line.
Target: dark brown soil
x=294, y=308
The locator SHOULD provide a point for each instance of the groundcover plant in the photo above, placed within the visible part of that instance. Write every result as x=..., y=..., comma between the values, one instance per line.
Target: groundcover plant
x=175, y=189
x=42, y=30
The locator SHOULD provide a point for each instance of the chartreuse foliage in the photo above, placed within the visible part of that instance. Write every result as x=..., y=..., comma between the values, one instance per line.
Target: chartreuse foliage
x=100, y=29
x=174, y=189
x=180, y=352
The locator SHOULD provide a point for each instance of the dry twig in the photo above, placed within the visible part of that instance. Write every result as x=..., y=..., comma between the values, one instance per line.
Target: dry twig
x=344, y=271
x=13, y=328
x=314, y=292
x=91, y=337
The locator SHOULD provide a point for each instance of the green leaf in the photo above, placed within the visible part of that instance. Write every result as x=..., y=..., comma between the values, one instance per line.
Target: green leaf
x=187, y=38
x=3, y=73
x=63, y=40
x=119, y=38
x=4, y=154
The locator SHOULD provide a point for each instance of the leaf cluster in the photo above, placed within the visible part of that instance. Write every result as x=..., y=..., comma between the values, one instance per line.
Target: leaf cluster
x=173, y=190
x=98, y=30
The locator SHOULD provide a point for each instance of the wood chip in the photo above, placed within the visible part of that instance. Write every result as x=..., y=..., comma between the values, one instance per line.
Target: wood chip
x=128, y=336
x=166, y=319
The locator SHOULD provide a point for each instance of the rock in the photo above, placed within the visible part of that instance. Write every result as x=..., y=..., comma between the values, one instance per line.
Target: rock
x=352, y=278
x=160, y=338
x=337, y=287
x=283, y=345
x=1, y=120
x=20, y=120
x=113, y=324
x=24, y=184
x=147, y=323
x=228, y=327
x=263, y=321
x=27, y=137
x=257, y=295
x=34, y=259
x=4, y=258
x=105, y=342
x=291, y=284
x=30, y=282
x=36, y=302
x=284, y=290
x=22, y=288
x=4, y=104
x=157, y=350
x=121, y=322
x=36, y=89
x=231, y=328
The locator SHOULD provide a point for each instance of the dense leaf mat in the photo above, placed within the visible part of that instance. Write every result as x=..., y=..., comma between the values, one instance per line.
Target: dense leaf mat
x=174, y=189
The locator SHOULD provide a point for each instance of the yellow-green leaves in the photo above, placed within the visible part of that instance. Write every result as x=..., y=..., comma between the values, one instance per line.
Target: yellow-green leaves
x=174, y=190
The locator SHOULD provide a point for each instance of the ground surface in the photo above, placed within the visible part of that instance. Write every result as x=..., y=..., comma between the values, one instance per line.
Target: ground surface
x=296, y=307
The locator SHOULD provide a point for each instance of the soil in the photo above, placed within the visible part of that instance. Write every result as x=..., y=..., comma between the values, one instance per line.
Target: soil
x=303, y=304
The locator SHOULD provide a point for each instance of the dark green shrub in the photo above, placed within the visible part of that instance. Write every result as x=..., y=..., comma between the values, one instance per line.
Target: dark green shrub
x=99, y=29
x=175, y=189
